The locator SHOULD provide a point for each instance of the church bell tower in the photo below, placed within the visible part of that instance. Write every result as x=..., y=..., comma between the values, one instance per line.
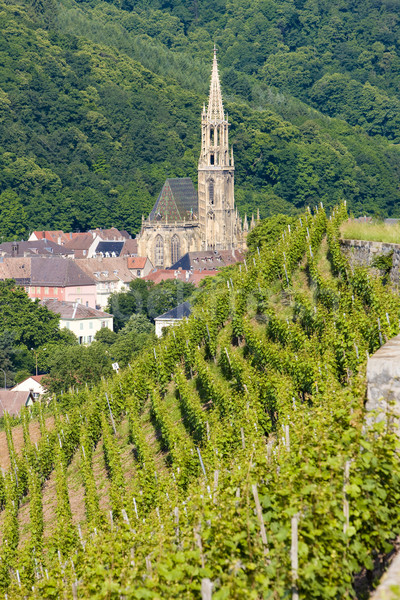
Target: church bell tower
x=217, y=216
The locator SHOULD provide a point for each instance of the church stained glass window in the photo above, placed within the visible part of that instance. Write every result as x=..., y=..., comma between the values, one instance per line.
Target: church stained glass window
x=175, y=249
x=159, y=252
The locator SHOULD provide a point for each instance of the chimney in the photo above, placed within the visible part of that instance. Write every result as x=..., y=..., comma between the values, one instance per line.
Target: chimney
x=14, y=249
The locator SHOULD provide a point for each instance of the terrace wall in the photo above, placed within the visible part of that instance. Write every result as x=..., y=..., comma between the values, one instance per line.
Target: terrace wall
x=363, y=252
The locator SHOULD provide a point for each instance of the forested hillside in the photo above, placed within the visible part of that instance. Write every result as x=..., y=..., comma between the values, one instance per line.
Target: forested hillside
x=101, y=101
x=240, y=433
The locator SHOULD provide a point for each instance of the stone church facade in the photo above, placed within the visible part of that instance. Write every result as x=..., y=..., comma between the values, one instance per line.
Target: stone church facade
x=185, y=221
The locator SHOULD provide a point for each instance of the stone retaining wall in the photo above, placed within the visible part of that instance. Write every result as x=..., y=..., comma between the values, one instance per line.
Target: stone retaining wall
x=383, y=382
x=383, y=395
x=361, y=252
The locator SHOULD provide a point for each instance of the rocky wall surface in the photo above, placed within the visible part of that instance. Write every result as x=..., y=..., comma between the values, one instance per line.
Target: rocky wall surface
x=383, y=395
x=383, y=383
x=362, y=252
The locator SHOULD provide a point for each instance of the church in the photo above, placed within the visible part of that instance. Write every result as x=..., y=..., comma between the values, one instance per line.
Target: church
x=183, y=220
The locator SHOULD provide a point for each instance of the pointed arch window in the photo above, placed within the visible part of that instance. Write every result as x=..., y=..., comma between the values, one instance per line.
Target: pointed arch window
x=175, y=249
x=159, y=252
x=211, y=192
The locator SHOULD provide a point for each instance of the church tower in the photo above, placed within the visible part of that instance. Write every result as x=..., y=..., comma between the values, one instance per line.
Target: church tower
x=217, y=217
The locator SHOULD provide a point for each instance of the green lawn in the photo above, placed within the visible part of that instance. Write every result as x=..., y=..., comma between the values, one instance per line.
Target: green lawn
x=373, y=231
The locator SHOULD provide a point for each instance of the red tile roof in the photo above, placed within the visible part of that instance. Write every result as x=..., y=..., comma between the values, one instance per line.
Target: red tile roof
x=136, y=262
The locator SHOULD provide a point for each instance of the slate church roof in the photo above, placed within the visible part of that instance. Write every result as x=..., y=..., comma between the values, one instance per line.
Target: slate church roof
x=177, y=201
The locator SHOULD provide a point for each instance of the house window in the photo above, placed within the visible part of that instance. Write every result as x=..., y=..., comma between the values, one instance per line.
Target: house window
x=175, y=249
x=67, y=325
x=38, y=290
x=80, y=325
x=46, y=290
x=90, y=324
x=138, y=272
x=89, y=339
x=78, y=290
x=104, y=324
x=159, y=254
x=80, y=339
x=55, y=290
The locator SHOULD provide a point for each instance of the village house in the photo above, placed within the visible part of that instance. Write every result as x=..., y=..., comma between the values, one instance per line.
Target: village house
x=12, y=402
x=82, y=320
x=130, y=248
x=34, y=248
x=140, y=266
x=109, y=275
x=31, y=384
x=172, y=317
x=60, y=279
x=208, y=259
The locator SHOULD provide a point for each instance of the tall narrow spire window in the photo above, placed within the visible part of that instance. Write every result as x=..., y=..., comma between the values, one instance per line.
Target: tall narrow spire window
x=211, y=192
x=159, y=252
x=175, y=249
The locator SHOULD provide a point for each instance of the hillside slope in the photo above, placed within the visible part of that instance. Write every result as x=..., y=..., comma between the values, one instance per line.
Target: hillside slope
x=201, y=460
x=88, y=133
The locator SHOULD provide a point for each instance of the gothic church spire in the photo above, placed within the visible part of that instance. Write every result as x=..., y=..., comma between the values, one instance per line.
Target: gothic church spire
x=215, y=109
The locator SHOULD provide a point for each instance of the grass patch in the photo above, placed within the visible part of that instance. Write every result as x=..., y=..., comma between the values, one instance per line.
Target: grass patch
x=371, y=232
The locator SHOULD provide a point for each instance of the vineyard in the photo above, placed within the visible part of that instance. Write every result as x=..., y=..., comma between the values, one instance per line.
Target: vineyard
x=232, y=461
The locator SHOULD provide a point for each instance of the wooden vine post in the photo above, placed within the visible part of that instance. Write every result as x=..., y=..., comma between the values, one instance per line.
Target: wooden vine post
x=260, y=519
x=206, y=589
x=346, y=507
x=294, y=556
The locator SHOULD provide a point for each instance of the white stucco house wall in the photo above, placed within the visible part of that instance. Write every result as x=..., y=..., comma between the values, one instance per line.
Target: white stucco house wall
x=83, y=321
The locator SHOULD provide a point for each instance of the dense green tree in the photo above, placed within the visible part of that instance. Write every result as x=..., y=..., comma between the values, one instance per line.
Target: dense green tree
x=145, y=298
x=7, y=355
x=106, y=336
x=30, y=323
x=76, y=365
x=137, y=324
x=13, y=217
